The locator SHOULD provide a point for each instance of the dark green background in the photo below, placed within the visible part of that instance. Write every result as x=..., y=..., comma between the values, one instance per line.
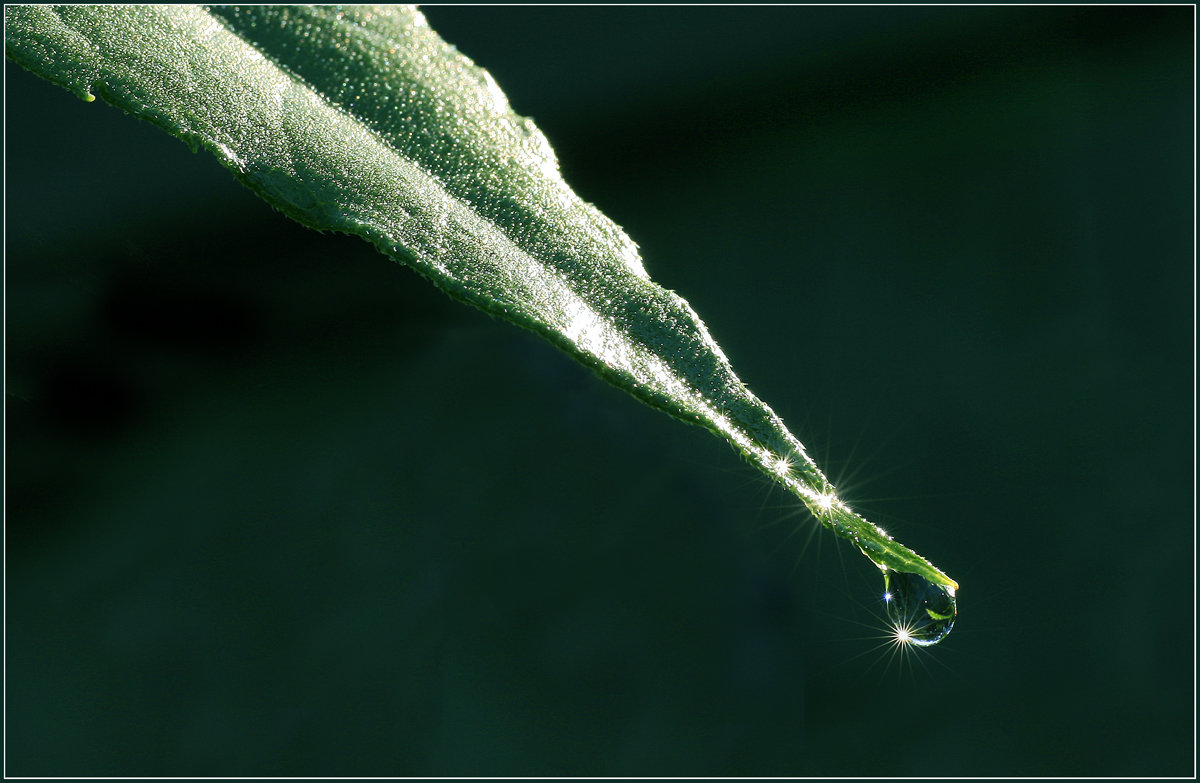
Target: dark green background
x=277, y=506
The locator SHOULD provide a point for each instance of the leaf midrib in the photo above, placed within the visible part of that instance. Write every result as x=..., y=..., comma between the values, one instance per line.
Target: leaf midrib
x=465, y=205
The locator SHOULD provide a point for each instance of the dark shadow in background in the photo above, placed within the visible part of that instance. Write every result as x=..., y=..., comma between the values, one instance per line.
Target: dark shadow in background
x=276, y=506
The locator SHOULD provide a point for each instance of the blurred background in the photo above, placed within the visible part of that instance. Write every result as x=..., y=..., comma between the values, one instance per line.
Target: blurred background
x=276, y=506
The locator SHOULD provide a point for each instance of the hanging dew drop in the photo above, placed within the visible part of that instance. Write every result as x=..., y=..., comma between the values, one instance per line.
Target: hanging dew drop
x=921, y=612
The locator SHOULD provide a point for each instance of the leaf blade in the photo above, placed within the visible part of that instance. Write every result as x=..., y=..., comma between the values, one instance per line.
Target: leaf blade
x=363, y=121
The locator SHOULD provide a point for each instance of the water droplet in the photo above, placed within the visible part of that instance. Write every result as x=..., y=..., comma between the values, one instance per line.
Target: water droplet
x=922, y=613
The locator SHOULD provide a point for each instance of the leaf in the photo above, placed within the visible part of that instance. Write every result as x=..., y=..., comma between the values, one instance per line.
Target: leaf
x=362, y=120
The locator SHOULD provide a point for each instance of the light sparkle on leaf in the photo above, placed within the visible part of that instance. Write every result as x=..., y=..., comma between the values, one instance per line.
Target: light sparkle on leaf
x=362, y=120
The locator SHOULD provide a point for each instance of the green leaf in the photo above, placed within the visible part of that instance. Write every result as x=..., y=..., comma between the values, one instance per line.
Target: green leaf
x=362, y=120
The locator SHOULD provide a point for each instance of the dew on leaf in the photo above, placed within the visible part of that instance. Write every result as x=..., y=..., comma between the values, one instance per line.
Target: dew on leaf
x=921, y=612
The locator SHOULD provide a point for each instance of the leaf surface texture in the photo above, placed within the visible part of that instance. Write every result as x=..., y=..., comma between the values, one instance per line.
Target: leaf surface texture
x=363, y=120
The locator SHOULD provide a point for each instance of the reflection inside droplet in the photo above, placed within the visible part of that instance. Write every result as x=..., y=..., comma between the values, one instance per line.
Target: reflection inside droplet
x=921, y=612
